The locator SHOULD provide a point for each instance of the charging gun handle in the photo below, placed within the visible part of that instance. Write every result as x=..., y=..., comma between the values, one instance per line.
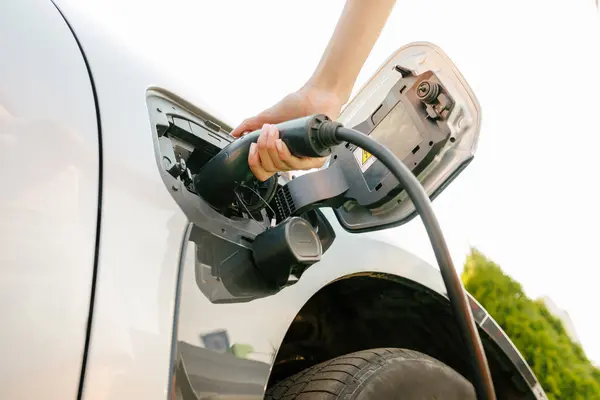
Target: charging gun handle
x=217, y=179
x=298, y=135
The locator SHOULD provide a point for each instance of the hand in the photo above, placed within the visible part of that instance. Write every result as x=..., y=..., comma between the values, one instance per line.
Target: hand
x=270, y=155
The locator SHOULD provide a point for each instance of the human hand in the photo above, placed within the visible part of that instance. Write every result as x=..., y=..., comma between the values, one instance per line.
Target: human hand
x=270, y=155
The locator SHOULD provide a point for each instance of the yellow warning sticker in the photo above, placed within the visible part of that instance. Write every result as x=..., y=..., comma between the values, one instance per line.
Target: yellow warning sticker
x=364, y=159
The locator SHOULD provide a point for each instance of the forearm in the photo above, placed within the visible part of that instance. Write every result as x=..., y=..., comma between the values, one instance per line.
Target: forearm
x=354, y=36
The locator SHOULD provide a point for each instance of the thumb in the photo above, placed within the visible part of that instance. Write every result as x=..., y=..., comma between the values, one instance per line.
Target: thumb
x=248, y=125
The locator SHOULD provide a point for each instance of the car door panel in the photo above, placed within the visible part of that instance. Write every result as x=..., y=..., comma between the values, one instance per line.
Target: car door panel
x=142, y=229
x=49, y=169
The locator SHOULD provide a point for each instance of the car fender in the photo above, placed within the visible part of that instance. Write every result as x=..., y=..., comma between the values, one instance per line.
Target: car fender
x=261, y=325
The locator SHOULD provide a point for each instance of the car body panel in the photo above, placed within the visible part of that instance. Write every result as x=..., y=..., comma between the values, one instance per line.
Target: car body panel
x=49, y=169
x=146, y=299
x=142, y=230
x=262, y=324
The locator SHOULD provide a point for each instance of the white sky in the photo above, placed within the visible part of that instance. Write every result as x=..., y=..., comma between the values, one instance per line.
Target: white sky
x=529, y=200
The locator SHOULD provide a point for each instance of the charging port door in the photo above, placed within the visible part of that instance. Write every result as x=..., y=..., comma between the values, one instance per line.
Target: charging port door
x=421, y=108
x=225, y=248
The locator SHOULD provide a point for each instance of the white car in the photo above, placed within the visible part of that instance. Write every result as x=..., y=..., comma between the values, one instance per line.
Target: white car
x=117, y=280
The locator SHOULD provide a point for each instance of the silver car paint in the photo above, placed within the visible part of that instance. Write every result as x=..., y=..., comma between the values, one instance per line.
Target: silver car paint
x=141, y=235
x=48, y=202
x=142, y=231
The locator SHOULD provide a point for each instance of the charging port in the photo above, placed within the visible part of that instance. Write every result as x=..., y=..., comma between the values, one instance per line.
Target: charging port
x=187, y=142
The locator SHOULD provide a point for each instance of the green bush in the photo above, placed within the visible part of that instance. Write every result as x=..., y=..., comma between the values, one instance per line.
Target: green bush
x=559, y=363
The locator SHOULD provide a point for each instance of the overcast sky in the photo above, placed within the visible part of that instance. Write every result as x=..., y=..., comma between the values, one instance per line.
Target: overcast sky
x=530, y=199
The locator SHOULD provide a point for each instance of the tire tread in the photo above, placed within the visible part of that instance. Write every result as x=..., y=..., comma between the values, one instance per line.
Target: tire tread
x=306, y=383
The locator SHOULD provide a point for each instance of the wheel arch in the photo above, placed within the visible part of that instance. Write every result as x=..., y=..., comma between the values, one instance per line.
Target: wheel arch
x=371, y=309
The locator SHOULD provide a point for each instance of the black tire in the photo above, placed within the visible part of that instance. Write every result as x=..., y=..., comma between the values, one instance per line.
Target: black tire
x=378, y=374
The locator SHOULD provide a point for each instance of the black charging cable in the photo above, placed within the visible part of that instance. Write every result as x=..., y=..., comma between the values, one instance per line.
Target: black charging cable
x=484, y=385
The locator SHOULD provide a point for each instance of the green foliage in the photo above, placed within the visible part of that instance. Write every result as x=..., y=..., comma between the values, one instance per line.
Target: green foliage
x=558, y=362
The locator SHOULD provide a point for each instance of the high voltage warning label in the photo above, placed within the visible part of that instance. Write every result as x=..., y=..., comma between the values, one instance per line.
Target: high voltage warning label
x=365, y=156
x=364, y=159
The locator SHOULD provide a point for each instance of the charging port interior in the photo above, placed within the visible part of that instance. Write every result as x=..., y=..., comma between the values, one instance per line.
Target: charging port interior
x=187, y=143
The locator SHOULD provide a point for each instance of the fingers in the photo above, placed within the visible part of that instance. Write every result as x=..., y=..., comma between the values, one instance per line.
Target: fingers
x=263, y=151
x=268, y=151
x=270, y=155
x=254, y=123
x=297, y=163
x=248, y=125
x=255, y=165
x=245, y=126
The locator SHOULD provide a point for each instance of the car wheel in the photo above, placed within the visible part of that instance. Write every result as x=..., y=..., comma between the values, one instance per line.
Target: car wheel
x=375, y=374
